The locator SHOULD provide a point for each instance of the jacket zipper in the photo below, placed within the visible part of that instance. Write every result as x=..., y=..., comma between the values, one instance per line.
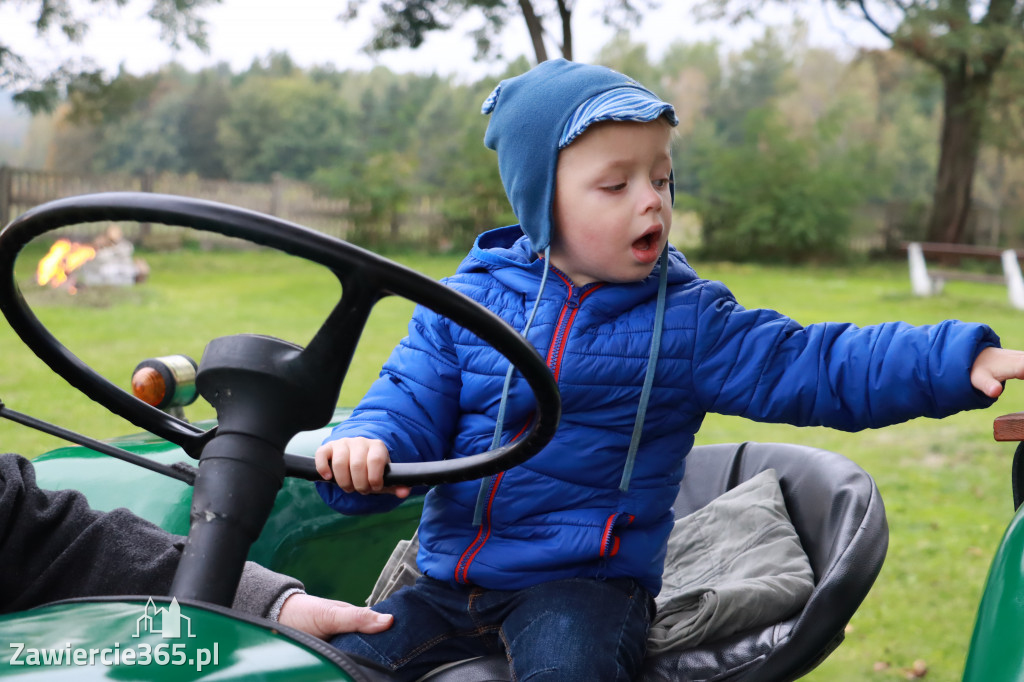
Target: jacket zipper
x=566, y=318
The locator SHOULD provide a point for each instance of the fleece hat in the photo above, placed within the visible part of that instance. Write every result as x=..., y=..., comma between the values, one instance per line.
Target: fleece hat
x=536, y=114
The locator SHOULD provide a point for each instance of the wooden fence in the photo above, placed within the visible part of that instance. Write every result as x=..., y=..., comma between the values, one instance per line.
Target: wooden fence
x=420, y=224
x=21, y=189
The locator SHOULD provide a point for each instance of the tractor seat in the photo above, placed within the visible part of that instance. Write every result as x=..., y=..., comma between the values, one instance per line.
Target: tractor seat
x=838, y=514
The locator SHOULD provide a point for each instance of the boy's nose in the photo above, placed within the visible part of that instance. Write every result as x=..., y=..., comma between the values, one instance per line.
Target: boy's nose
x=652, y=200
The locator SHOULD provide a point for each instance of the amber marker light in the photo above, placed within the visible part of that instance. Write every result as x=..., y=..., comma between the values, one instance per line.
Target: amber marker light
x=166, y=382
x=148, y=386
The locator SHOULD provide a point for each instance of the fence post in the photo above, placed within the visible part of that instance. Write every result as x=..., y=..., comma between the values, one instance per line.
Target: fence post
x=1014, y=280
x=920, y=283
x=6, y=177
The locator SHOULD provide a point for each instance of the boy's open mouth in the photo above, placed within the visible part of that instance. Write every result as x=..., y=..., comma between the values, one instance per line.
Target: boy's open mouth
x=645, y=249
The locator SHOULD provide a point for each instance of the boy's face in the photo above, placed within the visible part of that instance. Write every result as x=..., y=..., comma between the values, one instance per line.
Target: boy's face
x=613, y=207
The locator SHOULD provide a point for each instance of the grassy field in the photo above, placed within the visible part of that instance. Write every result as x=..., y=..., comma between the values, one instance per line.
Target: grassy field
x=945, y=484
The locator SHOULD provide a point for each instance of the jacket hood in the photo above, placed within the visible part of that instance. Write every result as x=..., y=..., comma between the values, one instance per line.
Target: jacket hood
x=529, y=116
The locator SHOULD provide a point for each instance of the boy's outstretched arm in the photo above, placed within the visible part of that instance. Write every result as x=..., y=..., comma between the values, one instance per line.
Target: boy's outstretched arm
x=993, y=366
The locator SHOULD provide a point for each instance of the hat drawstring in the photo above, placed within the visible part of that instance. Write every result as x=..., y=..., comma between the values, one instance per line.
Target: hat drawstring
x=652, y=362
x=485, y=484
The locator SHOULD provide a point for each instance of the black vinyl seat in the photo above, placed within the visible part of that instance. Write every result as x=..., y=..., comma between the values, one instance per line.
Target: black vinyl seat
x=839, y=516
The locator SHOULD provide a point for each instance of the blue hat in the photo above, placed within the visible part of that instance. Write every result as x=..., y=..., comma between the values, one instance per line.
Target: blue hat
x=536, y=114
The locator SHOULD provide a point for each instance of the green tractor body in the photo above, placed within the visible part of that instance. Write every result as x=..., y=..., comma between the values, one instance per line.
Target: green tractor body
x=335, y=556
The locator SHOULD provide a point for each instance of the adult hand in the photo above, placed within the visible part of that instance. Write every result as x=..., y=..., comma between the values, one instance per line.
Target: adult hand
x=325, y=618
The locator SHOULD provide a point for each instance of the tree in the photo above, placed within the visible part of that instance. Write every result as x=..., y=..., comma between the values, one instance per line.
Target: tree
x=198, y=128
x=779, y=196
x=966, y=43
x=764, y=156
x=281, y=124
x=406, y=23
x=40, y=89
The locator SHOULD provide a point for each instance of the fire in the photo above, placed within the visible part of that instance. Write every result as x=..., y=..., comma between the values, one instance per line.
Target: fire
x=64, y=257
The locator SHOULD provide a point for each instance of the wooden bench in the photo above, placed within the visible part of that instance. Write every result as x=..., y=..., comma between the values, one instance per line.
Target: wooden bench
x=929, y=282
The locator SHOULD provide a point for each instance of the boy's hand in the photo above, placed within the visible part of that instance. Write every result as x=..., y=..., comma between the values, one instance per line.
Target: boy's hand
x=357, y=464
x=994, y=366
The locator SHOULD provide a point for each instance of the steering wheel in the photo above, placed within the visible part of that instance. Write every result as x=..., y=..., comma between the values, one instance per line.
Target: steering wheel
x=266, y=390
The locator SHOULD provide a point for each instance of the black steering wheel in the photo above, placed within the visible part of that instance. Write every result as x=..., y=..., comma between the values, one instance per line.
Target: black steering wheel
x=265, y=390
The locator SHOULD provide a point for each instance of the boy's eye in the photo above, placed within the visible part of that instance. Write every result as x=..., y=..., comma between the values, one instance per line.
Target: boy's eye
x=660, y=183
x=618, y=187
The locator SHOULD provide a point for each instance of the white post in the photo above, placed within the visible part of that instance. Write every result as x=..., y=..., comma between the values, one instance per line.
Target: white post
x=1014, y=280
x=920, y=282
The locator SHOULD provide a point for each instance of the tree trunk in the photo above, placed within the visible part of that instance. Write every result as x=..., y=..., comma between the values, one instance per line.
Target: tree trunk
x=565, y=14
x=536, y=29
x=963, y=115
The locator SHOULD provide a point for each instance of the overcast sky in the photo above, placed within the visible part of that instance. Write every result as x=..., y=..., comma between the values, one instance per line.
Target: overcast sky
x=241, y=30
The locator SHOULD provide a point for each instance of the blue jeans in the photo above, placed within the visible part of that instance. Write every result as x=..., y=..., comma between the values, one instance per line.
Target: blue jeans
x=563, y=630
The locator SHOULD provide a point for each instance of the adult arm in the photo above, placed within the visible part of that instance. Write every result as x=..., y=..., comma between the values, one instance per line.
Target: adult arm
x=54, y=546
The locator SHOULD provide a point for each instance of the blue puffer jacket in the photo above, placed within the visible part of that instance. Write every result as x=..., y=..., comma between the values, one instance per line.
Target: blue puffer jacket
x=561, y=514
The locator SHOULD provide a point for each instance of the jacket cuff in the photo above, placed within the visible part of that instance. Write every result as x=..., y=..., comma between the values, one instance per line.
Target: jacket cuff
x=260, y=590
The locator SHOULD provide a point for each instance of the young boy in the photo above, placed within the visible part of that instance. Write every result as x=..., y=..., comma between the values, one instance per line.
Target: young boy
x=555, y=561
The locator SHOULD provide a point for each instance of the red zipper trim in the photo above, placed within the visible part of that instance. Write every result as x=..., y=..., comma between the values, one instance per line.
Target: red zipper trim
x=610, y=541
x=481, y=536
x=554, y=361
x=558, y=341
x=555, y=344
x=607, y=534
x=464, y=561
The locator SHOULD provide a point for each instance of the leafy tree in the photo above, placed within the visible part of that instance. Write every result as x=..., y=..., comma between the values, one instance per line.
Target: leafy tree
x=758, y=75
x=146, y=141
x=380, y=169
x=165, y=121
x=714, y=99
x=778, y=196
x=406, y=23
x=457, y=168
x=289, y=125
x=205, y=105
x=627, y=56
x=87, y=122
x=1007, y=105
x=966, y=42
x=899, y=116
x=40, y=89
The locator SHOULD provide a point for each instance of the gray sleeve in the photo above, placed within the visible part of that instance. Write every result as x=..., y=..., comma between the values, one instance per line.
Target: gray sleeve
x=46, y=537
x=261, y=592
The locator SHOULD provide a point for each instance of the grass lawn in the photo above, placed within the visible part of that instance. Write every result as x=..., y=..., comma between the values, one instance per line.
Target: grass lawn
x=945, y=484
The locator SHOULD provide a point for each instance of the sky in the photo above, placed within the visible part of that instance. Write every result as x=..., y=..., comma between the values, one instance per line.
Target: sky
x=309, y=30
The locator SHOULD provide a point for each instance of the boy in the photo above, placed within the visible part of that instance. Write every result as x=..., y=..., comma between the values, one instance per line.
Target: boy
x=556, y=561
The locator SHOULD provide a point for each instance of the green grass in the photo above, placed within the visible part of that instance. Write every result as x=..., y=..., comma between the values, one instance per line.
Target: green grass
x=945, y=484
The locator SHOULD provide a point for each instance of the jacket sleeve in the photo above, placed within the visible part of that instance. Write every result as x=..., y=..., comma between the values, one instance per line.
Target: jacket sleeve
x=413, y=407
x=762, y=365
x=53, y=546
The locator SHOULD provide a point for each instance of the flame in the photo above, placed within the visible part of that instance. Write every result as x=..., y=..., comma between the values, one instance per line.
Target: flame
x=63, y=258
